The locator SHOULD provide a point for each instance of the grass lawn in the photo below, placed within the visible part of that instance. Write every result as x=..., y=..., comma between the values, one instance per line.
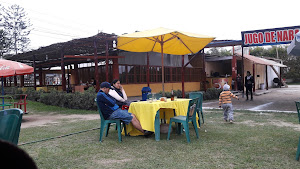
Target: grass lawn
x=40, y=108
x=255, y=140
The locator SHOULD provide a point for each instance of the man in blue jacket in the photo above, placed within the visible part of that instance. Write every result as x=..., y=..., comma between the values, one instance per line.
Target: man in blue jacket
x=111, y=110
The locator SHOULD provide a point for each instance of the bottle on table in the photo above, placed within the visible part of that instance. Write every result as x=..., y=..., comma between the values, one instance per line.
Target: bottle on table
x=172, y=95
x=153, y=97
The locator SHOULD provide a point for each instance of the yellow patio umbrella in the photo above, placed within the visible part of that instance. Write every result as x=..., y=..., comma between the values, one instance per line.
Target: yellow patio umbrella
x=163, y=40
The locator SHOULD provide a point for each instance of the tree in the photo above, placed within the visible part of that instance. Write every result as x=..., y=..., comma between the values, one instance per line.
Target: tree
x=17, y=27
x=292, y=62
x=258, y=51
x=4, y=43
x=270, y=52
x=292, y=72
x=220, y=52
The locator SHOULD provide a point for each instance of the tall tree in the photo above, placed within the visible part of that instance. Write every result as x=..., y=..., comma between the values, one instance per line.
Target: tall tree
x=280, y=52
x=17, y=27
x=219, y=52
x=4, y=43
x=273, y=51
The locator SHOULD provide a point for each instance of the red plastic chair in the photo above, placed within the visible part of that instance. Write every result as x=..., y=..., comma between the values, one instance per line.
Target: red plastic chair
x=21, y=102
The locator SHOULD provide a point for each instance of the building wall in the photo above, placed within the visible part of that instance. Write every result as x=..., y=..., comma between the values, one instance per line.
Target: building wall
x=136, y=89
x=211, y=67
x=259, y=70
x=272, y=75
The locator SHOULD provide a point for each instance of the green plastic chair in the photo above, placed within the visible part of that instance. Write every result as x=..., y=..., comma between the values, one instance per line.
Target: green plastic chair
x=106, y=123
x=184, y=120
x=298, y=109
x=8, y=126
x=156, y=95
x=298, y=151
x=11, y=124
x=193, y=95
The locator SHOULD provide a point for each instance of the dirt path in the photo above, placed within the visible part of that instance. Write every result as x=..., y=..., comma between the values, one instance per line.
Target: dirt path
x=45, y=120
x=278, y=99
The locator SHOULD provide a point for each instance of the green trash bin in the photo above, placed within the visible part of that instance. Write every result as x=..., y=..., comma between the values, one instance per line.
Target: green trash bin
x=10, y=124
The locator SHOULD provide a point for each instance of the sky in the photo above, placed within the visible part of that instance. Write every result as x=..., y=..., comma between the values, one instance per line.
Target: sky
x=55, y=21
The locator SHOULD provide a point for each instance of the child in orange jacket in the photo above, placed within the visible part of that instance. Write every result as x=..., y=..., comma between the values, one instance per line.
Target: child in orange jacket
x=225, y=101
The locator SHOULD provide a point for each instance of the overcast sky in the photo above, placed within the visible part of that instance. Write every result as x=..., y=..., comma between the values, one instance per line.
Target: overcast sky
x=62, y=20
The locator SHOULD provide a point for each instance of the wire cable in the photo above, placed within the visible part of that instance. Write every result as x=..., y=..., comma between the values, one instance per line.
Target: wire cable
x=65, y=39
x=52, y=23
x=53, y=30
x=55, y=33
x=69, y=27
x=51, y=138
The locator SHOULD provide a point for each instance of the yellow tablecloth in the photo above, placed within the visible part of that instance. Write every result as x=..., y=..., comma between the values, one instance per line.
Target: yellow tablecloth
x=146, y=112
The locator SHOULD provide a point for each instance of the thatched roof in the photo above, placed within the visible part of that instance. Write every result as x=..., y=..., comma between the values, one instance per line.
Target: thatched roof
x=51, y=55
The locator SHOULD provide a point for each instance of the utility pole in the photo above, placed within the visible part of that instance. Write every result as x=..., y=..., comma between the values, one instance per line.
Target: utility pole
x=277, y=52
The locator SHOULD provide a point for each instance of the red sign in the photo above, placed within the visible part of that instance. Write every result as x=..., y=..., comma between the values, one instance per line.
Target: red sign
x=269, y=36
x=219, y=82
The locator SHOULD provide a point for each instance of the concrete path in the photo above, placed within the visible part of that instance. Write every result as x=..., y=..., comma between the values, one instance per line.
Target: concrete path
x=275, y=99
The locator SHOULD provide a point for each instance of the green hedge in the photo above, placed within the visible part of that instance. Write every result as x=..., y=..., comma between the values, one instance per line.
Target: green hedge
x=211, y=93
x=33, y=95
x=177, y=93
x=86, y=100
x=12, y=91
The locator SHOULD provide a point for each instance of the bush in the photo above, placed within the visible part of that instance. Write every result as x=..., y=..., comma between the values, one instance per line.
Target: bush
x=12, y=90
x=178, y=93
x=32, y=94
x=211, y=93
x=76, y=100
x=53, y=98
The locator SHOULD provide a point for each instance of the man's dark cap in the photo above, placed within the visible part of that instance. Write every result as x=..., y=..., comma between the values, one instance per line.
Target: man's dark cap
x=105, y=85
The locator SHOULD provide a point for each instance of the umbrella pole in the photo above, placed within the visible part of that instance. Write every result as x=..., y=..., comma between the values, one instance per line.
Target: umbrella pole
x=2, y=93
x=162, y=69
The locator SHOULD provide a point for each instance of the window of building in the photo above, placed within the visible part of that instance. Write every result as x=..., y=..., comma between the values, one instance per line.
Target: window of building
x=138, y=74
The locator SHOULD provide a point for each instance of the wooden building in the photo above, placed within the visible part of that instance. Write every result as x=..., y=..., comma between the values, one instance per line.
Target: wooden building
x=79, y=61
x=69, y=66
